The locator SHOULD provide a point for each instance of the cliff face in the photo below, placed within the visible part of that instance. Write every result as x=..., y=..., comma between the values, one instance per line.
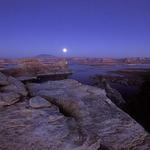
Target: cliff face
x=133, y=85
x=64, y=115
x=34, y=66
x=110, y=61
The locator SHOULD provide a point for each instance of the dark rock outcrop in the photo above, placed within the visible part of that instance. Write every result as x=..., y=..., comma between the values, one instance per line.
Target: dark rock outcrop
x=134, y=86
x=111, y=93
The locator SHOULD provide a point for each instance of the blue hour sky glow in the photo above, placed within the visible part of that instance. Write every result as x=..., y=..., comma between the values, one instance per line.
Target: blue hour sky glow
x=96, y=28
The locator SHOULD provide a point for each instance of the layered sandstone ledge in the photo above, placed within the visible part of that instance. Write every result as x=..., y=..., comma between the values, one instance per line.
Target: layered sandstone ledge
x=64, y=115
x=34, y=66
x=110, y=61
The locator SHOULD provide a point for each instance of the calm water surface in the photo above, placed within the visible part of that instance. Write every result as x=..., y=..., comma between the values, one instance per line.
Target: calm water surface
x=83, y=73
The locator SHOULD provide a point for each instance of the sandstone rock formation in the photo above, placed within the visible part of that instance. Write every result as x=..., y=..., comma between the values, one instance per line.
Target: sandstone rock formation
x=11, y=90
x=64, y=115
x=96, y=116
x=38, y=129
x=3, y=79
x=8, y=98
x=31, y=67
x=110, y=61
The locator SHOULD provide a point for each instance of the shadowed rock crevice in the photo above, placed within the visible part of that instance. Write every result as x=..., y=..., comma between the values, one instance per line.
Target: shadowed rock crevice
x=64, y=112
x=134, y=86
x=138, y=106
x=111, y=93
x=103, y=147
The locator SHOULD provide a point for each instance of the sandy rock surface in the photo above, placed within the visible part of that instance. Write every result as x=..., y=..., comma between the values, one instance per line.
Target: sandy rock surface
x=64, y=115
x=96, y=116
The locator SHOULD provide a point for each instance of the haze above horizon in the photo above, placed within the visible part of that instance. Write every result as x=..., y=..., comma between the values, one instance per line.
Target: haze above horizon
x=96, y=28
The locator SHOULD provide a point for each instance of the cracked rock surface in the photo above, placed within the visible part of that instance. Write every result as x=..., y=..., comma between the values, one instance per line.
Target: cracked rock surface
x=3, y=79
x=97, y=117
x=11, y=92
x=64, y=115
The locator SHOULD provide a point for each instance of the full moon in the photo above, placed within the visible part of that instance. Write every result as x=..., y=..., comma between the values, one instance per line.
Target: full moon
x=64, y=50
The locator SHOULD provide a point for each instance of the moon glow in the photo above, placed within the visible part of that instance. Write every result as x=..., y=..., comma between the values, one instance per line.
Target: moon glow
x=64, y=50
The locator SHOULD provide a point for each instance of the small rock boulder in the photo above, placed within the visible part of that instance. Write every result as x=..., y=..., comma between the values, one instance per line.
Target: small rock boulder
x=39, y=102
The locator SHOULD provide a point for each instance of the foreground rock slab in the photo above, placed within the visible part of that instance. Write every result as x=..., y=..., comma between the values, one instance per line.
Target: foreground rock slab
x=95, y=115
x=64, y=115
x=23, y=127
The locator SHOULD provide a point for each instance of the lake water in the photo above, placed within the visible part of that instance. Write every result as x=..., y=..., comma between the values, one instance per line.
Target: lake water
x=83, y=73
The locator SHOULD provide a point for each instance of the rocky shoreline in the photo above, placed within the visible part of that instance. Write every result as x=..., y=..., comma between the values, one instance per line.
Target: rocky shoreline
x=64, y=115
x=33, y=66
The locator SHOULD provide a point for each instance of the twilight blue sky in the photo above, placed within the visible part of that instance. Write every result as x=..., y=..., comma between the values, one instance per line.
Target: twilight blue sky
x=101, y=28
